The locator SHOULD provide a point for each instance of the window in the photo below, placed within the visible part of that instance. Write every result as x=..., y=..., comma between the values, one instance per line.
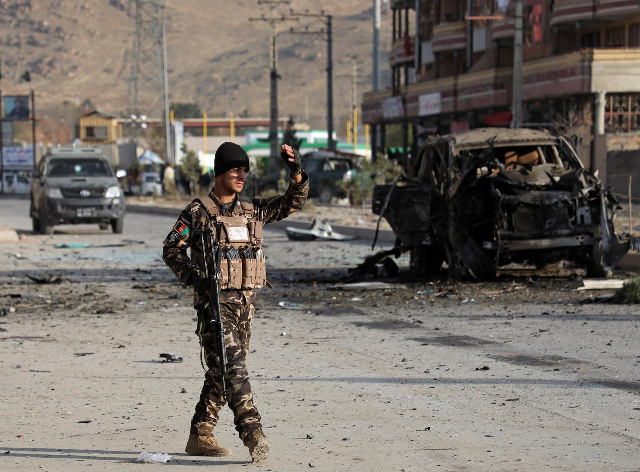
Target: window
x=97, y=132
x=591, y=40
x=614, y=37
x=622, y=113
x=634, y=35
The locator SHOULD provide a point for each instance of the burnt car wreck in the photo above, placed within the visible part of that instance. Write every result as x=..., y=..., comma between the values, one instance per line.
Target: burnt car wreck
x=485, y=198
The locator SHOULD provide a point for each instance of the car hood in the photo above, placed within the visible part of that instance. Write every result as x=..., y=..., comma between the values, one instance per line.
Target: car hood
x=77, y=182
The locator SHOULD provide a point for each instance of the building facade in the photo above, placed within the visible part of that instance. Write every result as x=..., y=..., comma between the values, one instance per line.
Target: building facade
x=452, y=70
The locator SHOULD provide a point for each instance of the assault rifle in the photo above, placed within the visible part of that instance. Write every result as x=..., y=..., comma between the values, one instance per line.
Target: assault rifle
x=213, y=317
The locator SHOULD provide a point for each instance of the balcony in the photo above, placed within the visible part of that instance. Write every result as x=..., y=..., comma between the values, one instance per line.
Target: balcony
x=570, y=11
x=612, y=9
x=577, y=73
x=449, y=36
x=403, y=4
x=402, y=51
x=503, y=29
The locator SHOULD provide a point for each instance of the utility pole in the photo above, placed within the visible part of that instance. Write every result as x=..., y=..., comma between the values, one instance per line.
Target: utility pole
x=354, y=104
x=327, y=33
x=376, y=44
x=167, y=120
x=517, y=69
x=273, y=67
x=147, y=89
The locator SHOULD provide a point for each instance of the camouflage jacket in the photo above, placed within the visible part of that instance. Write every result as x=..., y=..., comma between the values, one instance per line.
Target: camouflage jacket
x=194, y=218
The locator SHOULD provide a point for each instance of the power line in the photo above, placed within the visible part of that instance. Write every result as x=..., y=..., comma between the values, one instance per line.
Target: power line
x=273, y=66
x=327, y=34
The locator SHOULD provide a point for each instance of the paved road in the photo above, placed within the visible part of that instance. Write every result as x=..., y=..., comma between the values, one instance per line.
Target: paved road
x=518, y=374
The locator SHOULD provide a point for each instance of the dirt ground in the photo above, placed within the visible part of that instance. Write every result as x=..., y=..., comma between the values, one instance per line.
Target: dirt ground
x=522, y=373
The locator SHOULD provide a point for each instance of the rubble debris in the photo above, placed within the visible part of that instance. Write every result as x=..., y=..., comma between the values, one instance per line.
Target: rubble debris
x=601, y=285
x=367, y=286
x=151, y=458
x=46, y=280
x=85, y=421
x=379, y=264
x=170, y=357
x=83, y=354
x=319, y=230
x=290, y=305
x=125, y=242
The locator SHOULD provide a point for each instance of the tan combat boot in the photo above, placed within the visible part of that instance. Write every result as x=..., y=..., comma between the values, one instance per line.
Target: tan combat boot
x=258, y=445
x=205, y=445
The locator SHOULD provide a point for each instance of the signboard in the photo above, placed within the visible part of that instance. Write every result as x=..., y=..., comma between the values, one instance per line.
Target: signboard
x=430, y=104
x=16, y=107
x=392, y=107
x=17, y=157
x=178, y=140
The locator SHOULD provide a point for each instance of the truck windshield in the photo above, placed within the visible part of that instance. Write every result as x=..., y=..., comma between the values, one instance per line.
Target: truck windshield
x=78, y=168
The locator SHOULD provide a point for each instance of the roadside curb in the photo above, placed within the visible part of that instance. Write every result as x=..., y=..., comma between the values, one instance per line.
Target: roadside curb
x=385, y=236
x=7, y=234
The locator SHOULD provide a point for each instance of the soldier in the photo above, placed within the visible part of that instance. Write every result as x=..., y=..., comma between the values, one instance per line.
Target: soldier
x=242, y=271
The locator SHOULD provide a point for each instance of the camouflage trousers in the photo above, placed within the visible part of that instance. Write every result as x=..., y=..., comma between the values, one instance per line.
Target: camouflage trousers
x=237, y=308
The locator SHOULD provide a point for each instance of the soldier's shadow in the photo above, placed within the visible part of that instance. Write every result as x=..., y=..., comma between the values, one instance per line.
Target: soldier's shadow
x=122, y=457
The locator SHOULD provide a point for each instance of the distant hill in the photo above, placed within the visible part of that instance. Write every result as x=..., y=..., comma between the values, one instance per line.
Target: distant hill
x=80, y=49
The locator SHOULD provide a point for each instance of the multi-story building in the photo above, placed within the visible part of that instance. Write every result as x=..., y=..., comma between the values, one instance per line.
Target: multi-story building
x=452, y=69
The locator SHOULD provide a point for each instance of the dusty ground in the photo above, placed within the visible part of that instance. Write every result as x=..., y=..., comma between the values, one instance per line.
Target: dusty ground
x=524, y=373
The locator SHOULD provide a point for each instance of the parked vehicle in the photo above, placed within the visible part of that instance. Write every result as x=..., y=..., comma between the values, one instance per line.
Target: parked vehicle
x=326, y=171
x=489, y=197
x=16, y=183
x=148, y=184
x=75, y=185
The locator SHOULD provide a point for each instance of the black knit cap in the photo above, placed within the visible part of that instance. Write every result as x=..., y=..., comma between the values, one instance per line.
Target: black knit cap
x=229, y=156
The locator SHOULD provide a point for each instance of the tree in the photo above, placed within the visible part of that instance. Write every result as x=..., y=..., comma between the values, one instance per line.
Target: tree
x=190, y=167
x=186, y=110
x=290, y=135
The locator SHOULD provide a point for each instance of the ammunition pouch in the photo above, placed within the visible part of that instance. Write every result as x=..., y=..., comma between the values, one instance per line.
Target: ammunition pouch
x=242, y=262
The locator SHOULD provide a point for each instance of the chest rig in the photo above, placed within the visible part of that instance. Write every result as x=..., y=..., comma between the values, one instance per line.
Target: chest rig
x=239, y=239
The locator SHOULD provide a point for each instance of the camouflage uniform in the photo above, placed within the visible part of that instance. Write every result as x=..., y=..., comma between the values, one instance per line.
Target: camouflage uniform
x=237, y=307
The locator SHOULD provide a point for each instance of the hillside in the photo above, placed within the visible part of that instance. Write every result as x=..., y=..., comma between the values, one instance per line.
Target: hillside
x=81, y=49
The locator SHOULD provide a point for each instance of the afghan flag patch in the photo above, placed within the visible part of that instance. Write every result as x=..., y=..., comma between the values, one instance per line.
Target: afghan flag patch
x=182, y=229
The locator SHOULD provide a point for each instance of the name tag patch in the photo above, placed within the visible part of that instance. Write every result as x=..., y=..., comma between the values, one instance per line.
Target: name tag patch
x=238, y=233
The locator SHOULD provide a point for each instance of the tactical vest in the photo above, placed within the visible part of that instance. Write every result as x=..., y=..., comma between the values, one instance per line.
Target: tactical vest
x=242, y=262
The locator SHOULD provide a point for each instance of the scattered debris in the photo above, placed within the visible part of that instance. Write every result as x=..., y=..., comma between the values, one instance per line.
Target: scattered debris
x=367, y=286
x=284, y=333
x=174, y=296
x=598, y=284
x=290, y=305
x=309, y=436
x=47, y=279
x=125, y=242
x=85, y=421
x=319, y=230
x=183, y=390
x=484, y=367
x=82, y=354
x=151, y=458
x=170, y=357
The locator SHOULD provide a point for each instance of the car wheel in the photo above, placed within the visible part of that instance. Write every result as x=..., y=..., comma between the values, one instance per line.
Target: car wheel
x=103, y=226
x=325, y=194
x=595, y=264
x=117, y=225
